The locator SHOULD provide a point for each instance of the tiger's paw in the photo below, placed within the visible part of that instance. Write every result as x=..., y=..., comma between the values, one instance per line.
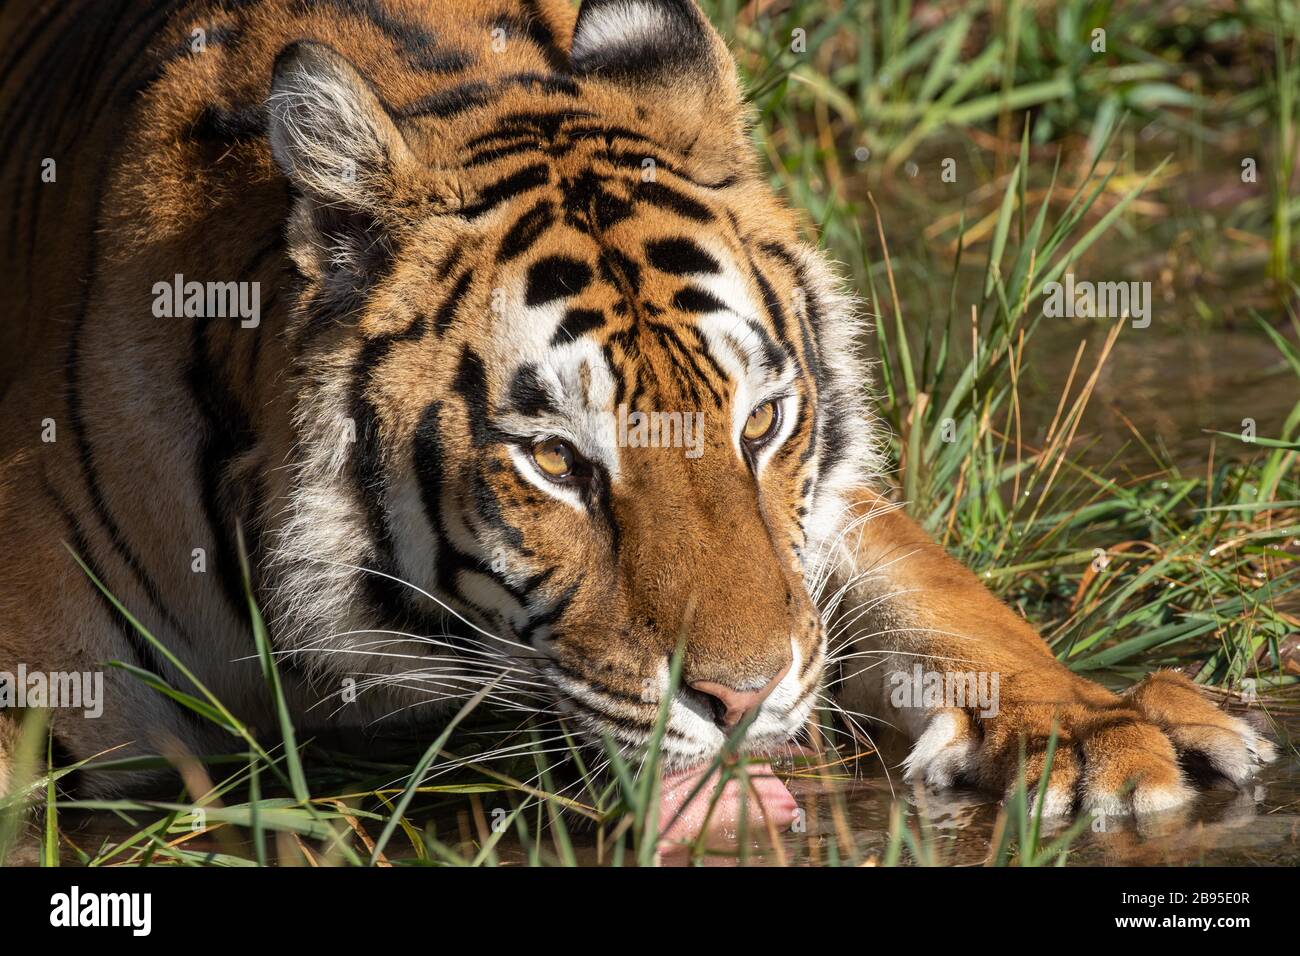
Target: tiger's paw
x=1140, y=753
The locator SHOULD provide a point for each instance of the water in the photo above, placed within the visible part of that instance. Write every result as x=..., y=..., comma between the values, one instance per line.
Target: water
x=1170, y=389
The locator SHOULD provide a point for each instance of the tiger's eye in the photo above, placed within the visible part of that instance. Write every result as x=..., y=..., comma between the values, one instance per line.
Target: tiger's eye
x=760, y=422
x=555, y=457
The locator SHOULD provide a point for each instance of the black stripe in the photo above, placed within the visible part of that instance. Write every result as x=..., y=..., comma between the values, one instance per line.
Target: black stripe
x=228, y=433
x=694, y=299
x=684, y=381
x=449, y=102
x=688, y=357
x=541, y=34
x=779, y=251
x=450, y=260
x=576, y=323
x=665, y=197
x=679, y=256
x=528, y=394
x=464, y=97
x=553, y=613
x=471, y=384
x=620, y=271
x=814, y=437
x=810, y=318
x=555, y=277
x=447, y=311
x=241, y=124
x=216, y=35
x=810, y=326
x=635, y=160
x=835, y=442
x=145, y=27
x=774, y=355
x=621, y=720
x=68, y=120
x=429, y=460
x=773, y=306
x=368, y=457
x=393, y=600
x=702, y=349
x=600, y=501
x=527, y=229
x=488, y=509
x=553, y=83
x=427, y=450
x=491, y=154
x=146, y=655
x=590, y=205
x=616, y=369
x=518, y=182
x=531, y=123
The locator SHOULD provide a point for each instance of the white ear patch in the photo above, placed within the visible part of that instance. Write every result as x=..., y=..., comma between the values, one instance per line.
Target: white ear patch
x=619, y=25
x=328, y=131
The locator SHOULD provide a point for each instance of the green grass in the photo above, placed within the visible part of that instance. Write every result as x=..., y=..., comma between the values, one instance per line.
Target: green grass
x=1127, y=560
x=903, y=80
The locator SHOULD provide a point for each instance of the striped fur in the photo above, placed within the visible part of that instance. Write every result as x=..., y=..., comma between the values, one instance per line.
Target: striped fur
x=496, y=266
x=474, y=226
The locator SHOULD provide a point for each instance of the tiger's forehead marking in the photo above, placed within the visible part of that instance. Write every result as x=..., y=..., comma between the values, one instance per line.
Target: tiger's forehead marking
x=559, y=314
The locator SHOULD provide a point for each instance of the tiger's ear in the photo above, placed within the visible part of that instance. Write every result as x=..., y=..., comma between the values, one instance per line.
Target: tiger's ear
x=647, y=40
x=666, y=57
x=332, y=137
x=329, y=132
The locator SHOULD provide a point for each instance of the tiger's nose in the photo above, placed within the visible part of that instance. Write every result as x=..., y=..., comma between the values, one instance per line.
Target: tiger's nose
x=730, y=705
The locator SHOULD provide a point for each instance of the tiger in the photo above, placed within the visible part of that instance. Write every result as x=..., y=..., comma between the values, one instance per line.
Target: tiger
x=472, y=345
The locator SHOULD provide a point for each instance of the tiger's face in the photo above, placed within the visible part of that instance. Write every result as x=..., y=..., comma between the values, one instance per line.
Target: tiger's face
x=604, y=399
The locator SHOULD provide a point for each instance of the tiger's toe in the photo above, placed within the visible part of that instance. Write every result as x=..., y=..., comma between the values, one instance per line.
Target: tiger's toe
x=944, y=752
x=1131, y=767
x=1205, y=737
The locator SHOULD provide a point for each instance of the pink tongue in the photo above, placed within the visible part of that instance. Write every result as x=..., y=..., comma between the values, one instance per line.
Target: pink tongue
x=766, y=802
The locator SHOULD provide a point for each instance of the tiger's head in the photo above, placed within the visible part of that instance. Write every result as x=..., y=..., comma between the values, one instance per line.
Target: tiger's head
x=569, y=379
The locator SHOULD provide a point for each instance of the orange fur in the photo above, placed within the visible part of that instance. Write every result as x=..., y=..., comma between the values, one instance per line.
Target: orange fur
x=472, y=233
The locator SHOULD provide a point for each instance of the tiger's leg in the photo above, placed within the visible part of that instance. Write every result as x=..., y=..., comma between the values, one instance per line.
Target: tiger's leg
x=923, y=645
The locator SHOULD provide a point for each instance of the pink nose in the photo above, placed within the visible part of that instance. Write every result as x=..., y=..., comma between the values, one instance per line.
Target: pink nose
x=730, y=705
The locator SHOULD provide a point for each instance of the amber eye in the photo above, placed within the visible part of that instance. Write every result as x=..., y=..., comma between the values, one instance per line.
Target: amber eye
x=555, y=457
x=760, y=423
